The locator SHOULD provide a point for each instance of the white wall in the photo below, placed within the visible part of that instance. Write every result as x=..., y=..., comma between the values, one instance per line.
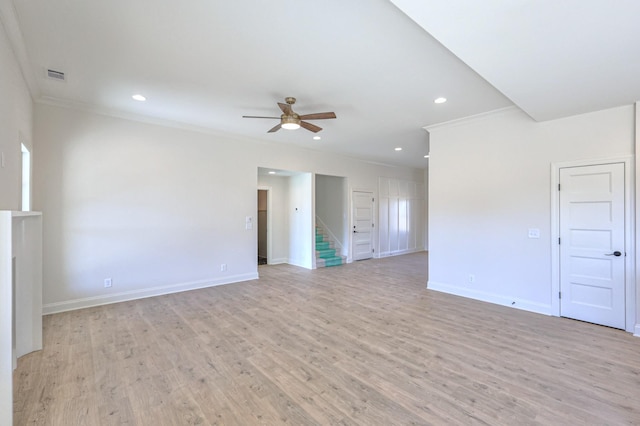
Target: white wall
x=489, y=183
x=156, y=209
x=15, y=124
x=152, y=208
x=301, y=220
x=401, y=217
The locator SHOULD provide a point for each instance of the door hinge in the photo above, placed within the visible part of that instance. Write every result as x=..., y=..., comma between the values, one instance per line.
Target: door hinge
x=373, y=250
x=558, y=187
x=559, y=295
x=372, y=225
x=373, y=200
x=558, y=240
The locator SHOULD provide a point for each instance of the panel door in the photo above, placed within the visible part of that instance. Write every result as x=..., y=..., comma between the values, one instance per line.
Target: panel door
x=362, y=241
x=592, y=244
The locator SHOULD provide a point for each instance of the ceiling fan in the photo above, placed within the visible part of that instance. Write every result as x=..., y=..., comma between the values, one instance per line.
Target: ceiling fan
x=290, y=120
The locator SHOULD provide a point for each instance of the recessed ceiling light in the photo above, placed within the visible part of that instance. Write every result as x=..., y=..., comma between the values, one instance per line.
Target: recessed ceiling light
x=316, y=138
x=272, y=173
x=398, y=149
x=440, y=100
x=139, y=97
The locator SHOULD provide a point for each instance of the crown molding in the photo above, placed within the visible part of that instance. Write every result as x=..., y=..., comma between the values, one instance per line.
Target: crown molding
x=86, y=107
x=472, y=118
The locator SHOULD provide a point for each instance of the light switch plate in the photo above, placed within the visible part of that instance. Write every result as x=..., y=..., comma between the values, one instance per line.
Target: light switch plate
x=534, y=233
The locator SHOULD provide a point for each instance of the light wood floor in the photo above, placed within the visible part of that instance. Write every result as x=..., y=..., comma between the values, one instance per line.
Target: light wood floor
x=361, y=344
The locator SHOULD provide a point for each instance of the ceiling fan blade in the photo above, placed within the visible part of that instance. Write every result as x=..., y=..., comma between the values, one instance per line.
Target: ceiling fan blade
x=258, y=116
x=318, y=116
x=286, y=108
x=311, y=127
x=275, y=128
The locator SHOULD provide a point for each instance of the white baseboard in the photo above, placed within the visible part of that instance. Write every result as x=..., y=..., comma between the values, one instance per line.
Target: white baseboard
x=278, y=261
x=497, y=299
x=399, y=252
x=298, y=263
x=88, y=302
x=637, y=332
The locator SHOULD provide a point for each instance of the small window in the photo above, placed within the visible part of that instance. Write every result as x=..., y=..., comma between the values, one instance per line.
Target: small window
x=26, y=179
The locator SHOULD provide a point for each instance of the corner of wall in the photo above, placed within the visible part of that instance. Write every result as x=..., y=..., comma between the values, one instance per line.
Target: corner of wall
x=498, y=299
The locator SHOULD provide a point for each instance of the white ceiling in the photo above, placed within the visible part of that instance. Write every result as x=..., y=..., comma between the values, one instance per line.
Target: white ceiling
x=205, y=63
x=552, y=58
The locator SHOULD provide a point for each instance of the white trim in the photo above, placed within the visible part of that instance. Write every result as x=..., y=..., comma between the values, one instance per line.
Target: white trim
x=71, y=305
x=314, y=262
x=470, y=118
x=497, y=299
x=7, y=340
x=374, y=220
x=629, y=198
x=636, y=320
x=269, y=224
x=278, y=261
x=401, y=252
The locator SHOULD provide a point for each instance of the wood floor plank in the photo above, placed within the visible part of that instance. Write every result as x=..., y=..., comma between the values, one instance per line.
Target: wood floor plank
x=361, y=344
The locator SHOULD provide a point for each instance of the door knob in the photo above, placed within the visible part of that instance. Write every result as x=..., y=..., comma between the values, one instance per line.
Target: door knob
x=615, y=253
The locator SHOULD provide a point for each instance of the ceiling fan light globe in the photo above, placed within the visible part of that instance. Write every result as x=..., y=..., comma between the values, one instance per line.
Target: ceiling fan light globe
x=291, y=122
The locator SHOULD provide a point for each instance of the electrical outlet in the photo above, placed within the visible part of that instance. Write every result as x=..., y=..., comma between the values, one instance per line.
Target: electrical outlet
x=472, y=278
x=223, y=267
x=107, y=282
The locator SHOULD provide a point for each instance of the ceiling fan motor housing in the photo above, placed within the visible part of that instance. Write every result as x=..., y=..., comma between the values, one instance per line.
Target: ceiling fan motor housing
x=290, y=121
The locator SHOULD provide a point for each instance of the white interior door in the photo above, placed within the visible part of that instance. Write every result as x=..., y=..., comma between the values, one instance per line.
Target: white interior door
x=362, y=241
x=592, y=244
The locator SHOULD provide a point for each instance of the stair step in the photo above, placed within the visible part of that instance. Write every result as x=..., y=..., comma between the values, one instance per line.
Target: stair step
x=326, y=253
x=333, y=261
x=321, y=245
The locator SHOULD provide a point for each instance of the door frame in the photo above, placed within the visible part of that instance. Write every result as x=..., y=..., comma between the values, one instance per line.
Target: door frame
x=269, y=255
x=374, y=219
x=629, y=235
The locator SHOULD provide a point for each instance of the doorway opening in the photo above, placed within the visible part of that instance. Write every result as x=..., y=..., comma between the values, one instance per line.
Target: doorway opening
x=331, y=221
x=289, y=233
x=263, y=212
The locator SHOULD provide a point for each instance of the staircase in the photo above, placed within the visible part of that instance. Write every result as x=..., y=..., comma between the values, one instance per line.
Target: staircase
x=326, y=252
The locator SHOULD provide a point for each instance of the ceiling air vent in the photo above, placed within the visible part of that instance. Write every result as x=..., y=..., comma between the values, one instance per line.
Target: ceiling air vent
x=56, y=75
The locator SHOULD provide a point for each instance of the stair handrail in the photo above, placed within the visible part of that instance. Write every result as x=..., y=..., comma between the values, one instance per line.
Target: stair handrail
x=325, y=228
